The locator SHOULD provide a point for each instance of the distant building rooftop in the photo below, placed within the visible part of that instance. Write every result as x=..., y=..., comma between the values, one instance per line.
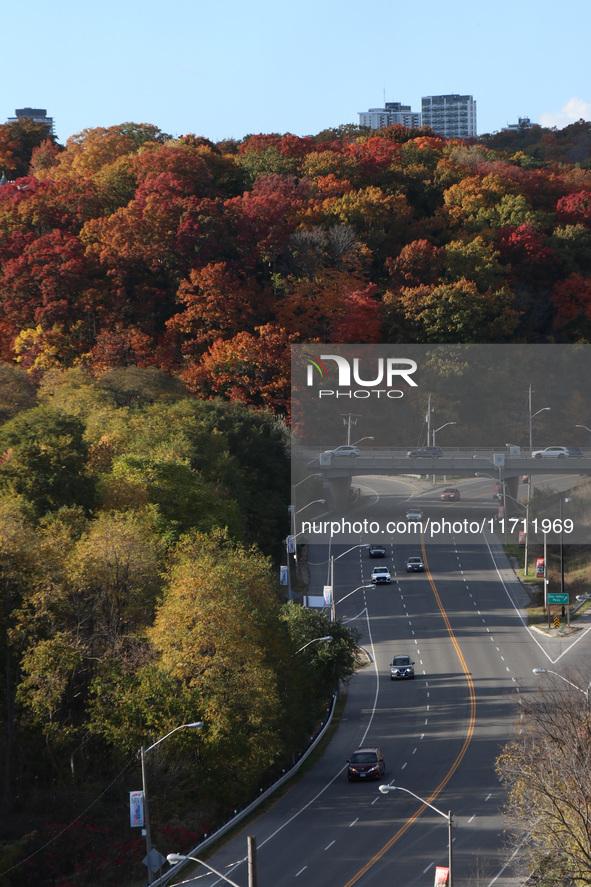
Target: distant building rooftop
x=39, y=115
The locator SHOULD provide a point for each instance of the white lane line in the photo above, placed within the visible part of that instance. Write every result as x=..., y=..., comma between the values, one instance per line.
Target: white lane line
x=353, y=823
x=328, y=846
x=301, y=870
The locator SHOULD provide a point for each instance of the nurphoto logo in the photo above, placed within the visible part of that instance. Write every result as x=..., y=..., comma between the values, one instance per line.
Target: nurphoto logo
x=386, y=371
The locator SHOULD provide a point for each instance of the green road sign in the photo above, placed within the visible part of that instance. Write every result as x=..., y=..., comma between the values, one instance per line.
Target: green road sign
x=558, y=598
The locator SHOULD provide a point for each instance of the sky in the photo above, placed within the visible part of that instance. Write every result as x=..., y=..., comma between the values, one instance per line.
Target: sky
x=226, y=69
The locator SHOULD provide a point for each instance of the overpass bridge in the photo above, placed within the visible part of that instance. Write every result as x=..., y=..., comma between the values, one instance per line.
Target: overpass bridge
x=500, y=465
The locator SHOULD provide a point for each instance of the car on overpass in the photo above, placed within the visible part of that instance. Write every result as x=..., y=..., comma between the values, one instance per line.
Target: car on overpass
x=345, y=450
x=425, y=453
x=551, y=453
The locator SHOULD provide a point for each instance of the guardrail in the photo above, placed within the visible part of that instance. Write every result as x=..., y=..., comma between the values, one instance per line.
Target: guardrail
x=250, y=808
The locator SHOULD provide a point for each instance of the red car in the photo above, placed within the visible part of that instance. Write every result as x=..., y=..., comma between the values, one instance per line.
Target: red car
x=451, y=494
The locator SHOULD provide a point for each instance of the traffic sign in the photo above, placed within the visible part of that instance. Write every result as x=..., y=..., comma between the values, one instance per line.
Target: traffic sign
x=558, y=598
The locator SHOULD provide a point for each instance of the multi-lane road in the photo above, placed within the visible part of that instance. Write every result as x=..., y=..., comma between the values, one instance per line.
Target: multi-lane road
x=462, y=623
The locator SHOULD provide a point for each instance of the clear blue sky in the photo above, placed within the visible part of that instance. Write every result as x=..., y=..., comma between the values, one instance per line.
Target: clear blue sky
x=224, y=69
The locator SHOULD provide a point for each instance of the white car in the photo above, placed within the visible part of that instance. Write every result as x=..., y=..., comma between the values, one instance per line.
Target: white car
x=380, y=575
x=414, y=514
x=345, y=450
x=551, y=452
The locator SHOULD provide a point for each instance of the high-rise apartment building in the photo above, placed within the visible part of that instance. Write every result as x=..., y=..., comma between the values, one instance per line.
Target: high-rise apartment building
x=394, y=112
x=452, y=116
x=39, y=115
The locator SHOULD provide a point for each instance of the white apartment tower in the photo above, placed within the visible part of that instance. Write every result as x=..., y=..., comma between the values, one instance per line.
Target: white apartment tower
x=452, y=116
x=394, y=112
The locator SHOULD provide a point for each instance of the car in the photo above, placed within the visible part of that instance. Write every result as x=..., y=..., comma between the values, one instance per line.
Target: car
x=414, y=514
x=366, y=763
x=377, y=551
x=415, y=565
x=345, y=450
x=401, y=667
x=551, y=452
x=425, y=453
x=380, y=575
x=575, y=452
x=451, y=494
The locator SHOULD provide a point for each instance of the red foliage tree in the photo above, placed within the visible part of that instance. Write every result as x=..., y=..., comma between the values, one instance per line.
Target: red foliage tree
x=361, y=319
x=575, y=208
x=252, y=368
x=572, y=300
x=219, y=302
x=419, y=263
x=524, y=247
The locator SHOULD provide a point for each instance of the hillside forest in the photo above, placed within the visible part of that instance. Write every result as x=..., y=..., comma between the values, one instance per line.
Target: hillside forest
x=150, y=289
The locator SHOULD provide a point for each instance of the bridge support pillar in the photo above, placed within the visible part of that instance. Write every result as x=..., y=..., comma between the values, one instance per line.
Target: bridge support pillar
x=338, y=492
x=512, y=488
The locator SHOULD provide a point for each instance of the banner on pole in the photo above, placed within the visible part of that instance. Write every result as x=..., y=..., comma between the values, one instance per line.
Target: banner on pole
x=136, y=809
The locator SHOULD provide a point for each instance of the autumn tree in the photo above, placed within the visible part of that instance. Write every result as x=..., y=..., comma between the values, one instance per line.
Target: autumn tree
x=252, y=368
x=18, y=141
x=451, y=312
x=219, y=302
x=547, y=771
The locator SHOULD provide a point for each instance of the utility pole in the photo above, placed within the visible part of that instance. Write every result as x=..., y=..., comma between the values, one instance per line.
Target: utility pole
x=253, y=876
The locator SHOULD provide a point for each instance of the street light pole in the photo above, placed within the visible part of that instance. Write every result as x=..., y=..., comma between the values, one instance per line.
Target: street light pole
x=143, y=751
x=543, y=410
x=175, y=858
x=331, y=574
x=447, y=816
x=568, y=499
x=327, y=637
x=566, y=681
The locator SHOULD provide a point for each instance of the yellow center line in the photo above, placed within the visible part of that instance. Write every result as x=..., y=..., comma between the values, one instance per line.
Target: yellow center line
x=463, y=750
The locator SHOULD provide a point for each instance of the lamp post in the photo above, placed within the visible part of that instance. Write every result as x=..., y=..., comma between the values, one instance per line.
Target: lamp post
x=292, y=513
x=447, y=816
x=434, y=432
x=175, y=858
x=359, y=588
x=533, y=416
x=332, y=559
x=568, y=499
x=327, y=637
x=586, y=429
x=361, y=439
x=143, y=752
x=292, y=538
x=566, y=681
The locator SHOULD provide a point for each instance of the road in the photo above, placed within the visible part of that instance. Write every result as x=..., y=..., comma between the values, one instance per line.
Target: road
x=440, y=733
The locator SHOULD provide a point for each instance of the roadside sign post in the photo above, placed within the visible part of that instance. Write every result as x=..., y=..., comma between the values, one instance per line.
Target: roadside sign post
x=559, y=599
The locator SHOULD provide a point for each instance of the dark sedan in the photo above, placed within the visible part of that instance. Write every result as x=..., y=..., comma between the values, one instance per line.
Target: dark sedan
x=366, y=763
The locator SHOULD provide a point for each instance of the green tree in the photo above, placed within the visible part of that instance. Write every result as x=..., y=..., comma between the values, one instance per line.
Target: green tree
x=44, y=458
x=183, y=498
x=17, y=563
x=223, y=604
